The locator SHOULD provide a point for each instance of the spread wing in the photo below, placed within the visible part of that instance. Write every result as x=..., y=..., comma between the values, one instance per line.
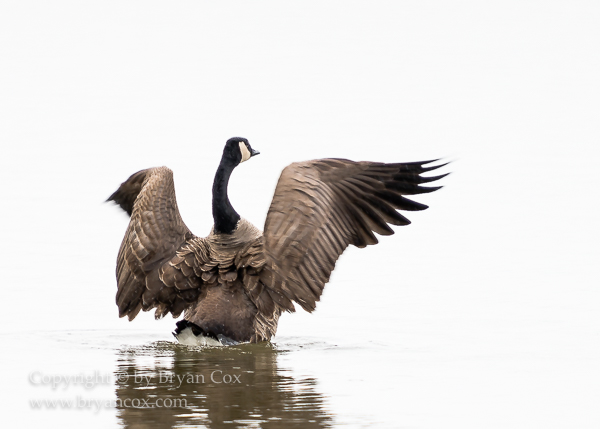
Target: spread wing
x=320, y=207
x=154, y=236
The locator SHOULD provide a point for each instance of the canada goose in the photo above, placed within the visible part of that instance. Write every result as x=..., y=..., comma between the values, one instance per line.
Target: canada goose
x=234, y=284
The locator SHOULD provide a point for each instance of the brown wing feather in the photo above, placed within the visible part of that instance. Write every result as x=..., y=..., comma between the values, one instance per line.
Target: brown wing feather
x=256, y=280
x=159, y=256
x=320, y=207
x=128, y=191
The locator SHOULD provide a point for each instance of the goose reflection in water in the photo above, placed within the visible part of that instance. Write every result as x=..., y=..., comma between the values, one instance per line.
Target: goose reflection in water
x=168, y=385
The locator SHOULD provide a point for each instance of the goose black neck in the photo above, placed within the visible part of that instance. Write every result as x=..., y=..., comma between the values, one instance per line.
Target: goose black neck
x=224, y=215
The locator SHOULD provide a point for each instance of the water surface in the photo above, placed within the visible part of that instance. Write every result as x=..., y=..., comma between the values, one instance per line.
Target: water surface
x=215, y=387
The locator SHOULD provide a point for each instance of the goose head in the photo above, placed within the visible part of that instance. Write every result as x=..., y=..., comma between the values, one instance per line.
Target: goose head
x=238, y=150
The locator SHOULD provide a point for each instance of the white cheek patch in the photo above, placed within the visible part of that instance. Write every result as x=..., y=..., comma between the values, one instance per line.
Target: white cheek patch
x=245, y=152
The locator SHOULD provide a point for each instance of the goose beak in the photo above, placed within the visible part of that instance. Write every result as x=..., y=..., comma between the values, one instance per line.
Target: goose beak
x=254, y=152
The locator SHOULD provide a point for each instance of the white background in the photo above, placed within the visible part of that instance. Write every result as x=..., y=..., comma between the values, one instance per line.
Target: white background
x=498, y=280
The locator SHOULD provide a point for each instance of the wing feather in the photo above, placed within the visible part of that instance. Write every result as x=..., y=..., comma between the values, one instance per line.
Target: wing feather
x=159, y=256
x=320, y=207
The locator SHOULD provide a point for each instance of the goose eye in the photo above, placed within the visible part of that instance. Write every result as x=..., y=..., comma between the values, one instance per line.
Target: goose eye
x=245, y=152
